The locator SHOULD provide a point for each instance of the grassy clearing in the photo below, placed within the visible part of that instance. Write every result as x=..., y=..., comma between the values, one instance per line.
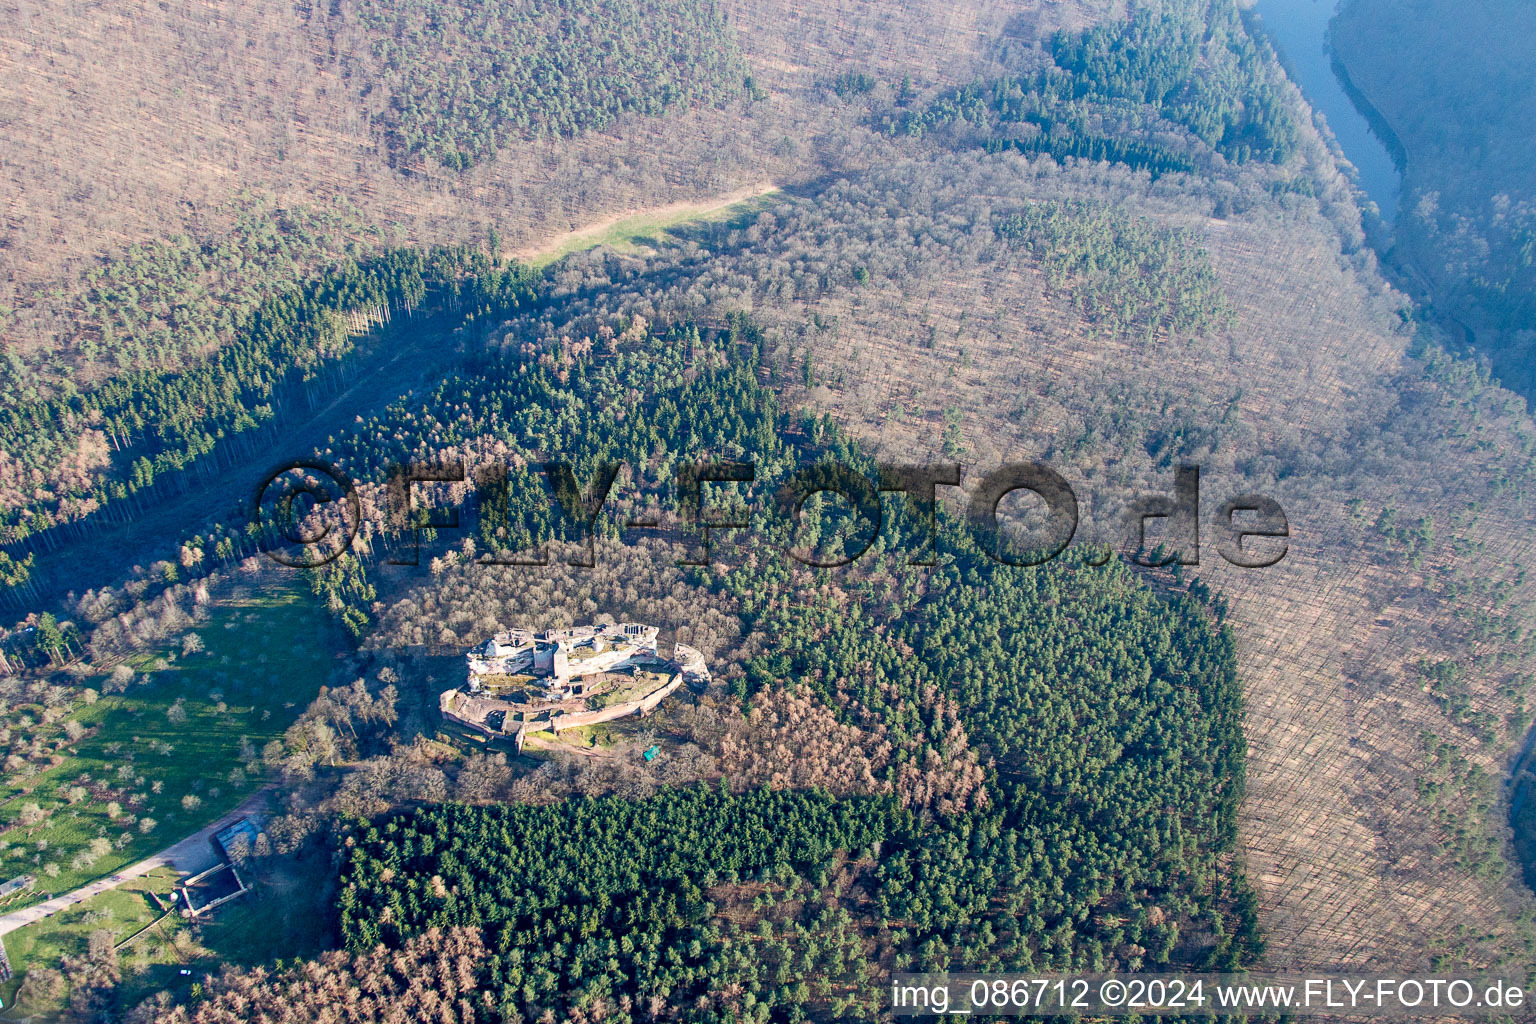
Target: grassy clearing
x=126, y=912
x=286, y=916
x=541, y=745
x=611, y=738
x=645, y=232
x=142, y=769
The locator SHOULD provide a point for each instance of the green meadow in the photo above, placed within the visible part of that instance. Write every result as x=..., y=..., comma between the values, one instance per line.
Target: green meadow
x=646, y=232
x=142, y=769
x=145, y=935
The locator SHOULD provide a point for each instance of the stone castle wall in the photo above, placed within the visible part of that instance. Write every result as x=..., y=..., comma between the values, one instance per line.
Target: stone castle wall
x=568, y=720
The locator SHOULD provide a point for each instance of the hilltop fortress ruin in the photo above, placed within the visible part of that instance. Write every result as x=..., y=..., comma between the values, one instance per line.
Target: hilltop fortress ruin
x=520, y=681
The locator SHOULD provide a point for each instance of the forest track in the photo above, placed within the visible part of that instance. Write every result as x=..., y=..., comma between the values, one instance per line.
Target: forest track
x=395, y=369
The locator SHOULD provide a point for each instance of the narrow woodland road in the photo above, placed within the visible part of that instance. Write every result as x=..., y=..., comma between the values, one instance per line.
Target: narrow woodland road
x=405, y=362
x=189, y=855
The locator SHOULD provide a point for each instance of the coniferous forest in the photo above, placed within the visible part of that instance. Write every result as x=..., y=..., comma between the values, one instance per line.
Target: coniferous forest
x=1103, y=837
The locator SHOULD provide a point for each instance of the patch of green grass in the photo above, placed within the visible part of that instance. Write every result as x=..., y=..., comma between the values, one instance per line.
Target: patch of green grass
x=645, y=232
x=542, y=745
x=126, y=912
x=602, y=736
x=264, y=658
x=287, y=915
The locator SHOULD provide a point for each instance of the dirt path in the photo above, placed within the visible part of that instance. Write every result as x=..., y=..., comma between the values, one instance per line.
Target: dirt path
x=403, y=365
x=190, y=855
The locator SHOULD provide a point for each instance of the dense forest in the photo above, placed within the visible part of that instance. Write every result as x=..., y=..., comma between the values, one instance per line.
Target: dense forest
x=463, y=80
x=647, y=397
x=149, y=429
x=1093, y=700
x=434, y=977
x=1122, y=246
x=777, y=898
x=165, y=310
x=418, y=92
x=607, y=898
x=1126, y=275
x=1123, y=276
x=1063, y=865
x=652, y=398
x=1191, y=65
x=1198, y=65
x=970, y=666
x=165, y=303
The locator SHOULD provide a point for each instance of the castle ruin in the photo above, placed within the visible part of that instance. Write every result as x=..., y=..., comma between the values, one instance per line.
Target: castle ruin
x=520, y=681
